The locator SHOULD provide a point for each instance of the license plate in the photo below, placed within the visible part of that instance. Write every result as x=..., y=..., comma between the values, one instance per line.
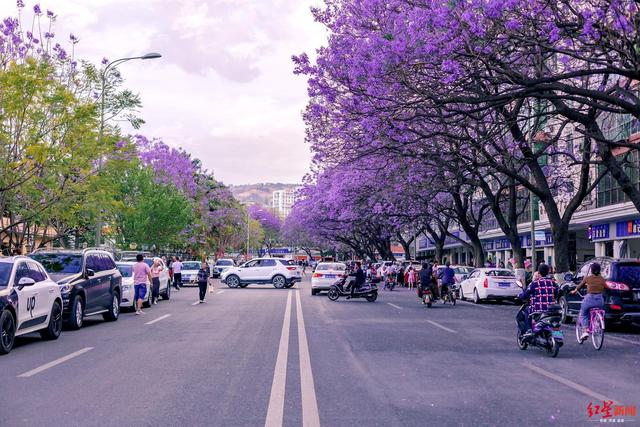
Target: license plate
x=330, y=276
x=557, y=334
x=504, y=284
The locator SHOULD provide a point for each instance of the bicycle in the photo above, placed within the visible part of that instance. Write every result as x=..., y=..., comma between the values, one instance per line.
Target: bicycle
x=595, y=328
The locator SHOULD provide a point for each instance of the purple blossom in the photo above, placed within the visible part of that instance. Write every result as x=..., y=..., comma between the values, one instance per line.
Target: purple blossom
x=37, y=10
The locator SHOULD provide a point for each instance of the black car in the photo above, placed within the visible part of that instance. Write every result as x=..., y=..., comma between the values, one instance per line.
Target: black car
x=89, y=281
x=621, y=296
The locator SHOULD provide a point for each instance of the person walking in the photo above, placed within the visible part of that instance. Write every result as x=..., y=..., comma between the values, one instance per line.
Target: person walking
x=411, y=277
x=176, y=266
x=141, y=275
x=156, y=269
x=203, y=278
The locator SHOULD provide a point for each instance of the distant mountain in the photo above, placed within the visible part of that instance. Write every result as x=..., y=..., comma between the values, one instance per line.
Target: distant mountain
x=261, y=194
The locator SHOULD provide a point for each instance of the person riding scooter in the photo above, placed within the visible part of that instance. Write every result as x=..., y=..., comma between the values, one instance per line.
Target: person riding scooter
x=426, y=279
x=360, y=279
x=447, y=278
x=541, y=294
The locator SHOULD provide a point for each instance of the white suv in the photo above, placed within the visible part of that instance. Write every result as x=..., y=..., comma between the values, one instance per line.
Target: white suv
x=29, y=301
x=282, y=273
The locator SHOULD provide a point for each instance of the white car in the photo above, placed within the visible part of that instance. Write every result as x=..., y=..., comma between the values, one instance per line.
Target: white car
x=126, y=270
x=490, y=283
x=222, y=265
x=29, y=301
x=281, y=273
x=190, y=272
x=325, y=275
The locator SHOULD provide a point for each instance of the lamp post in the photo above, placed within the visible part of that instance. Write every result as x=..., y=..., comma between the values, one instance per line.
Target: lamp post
x=110, y=66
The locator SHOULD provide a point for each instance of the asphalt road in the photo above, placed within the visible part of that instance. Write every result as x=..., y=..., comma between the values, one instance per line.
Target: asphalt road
x=261, y=356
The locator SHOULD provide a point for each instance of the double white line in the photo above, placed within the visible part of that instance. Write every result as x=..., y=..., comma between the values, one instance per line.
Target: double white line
x=275, y=411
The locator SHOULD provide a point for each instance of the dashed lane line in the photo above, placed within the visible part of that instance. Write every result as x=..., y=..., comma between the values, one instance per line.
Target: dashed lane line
x=219, y=292
x=275, y=410
x=158, y=319
x=395, y=306
x=577, y=387
x=475, y=305
x=441, y=326
x=54, y=363
x=310, y=415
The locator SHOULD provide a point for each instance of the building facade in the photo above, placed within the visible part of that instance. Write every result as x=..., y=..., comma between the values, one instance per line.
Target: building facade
x=283, y=201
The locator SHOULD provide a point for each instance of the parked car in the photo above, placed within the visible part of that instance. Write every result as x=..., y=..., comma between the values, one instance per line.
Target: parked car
x=221, y=265
x=90, y=283
x=490, y=284
x=282, y=273
x=29, y=301
x=325, y=275
x=621, y=295
x=165, y=289
x=190, y=272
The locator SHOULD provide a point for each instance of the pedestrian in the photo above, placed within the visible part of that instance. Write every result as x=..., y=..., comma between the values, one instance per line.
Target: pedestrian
x=501, y=264
x=411, y=277
x=156, y=269
x=203, y=278
x=141, y=275
x=176, y=266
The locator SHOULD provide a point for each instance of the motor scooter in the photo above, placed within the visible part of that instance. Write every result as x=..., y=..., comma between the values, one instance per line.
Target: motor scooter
x=426, y=296
x=342, y=287
x=545, y=333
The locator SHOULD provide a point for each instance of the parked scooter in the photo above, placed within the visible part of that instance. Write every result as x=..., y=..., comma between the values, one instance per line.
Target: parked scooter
x=342, y=288
x=545, y=327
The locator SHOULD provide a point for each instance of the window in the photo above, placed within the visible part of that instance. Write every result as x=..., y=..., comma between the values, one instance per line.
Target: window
x=268, y=263
x=59, y=263
x=584, y=270
x=125, y=270
x=21, y=271
x=253, y=263
x=609, y=192
x=5, y=274
x=93, y=263
x=36, y=273
x=111, y=264
x=286, y=262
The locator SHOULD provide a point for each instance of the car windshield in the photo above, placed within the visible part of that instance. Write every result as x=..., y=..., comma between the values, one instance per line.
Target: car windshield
x=125, y=270
x=462, y=270
x=500, y=273
x=60, y=263
x=627, y=273
x=224, y=262
x=191, y=266
x=5, y=274
x=332, y=267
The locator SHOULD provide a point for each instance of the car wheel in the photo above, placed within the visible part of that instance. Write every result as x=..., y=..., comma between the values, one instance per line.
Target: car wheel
x=54, y=328
x=77, y=313
x=476, y=297
x=279, y=282
x=233, y=281
x=7, y=332
x=314, y=292
x=167, y=294
x=114, y=310
x=462, y=298
x=564, y=305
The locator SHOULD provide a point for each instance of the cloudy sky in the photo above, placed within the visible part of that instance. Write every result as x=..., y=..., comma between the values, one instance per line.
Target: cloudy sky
x=224, y=89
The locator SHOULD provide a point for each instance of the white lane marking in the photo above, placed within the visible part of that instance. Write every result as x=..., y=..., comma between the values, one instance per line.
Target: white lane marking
x=196, y=303
x=395, y=306
x=577, y=387
x=616, y=338
x=442, y=326
x=158, y=319
x=475, y=305
x=54, y=363
x=275, y=411
x=310, y=415
x=219, y=292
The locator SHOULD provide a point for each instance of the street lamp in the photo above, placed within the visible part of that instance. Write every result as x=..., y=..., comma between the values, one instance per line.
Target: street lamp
x=110, y=66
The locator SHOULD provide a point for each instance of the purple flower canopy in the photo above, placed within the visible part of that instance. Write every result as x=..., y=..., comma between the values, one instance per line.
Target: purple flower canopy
x=269, y=220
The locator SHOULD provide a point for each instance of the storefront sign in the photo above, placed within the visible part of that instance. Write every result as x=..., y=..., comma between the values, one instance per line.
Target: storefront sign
x=487, y=245
x=502, y=244
x=425, y=243
x=628, y=228
x=541, y=240
x=598, y=231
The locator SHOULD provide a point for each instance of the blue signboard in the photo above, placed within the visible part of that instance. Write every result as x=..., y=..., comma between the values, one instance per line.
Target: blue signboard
x=628, y=228
x=598, y=231
x=548, y=240
x=502, y=244
x=487, y=245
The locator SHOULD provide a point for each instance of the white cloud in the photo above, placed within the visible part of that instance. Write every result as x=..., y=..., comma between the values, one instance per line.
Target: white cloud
x=224, y=89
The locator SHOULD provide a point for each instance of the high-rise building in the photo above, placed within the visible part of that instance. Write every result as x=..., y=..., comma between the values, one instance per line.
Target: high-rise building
x=283, y=201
